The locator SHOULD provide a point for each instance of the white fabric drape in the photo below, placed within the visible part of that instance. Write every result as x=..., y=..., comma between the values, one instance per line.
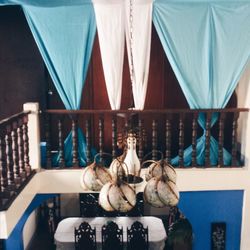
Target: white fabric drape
x=141, y=30
x=111, y=32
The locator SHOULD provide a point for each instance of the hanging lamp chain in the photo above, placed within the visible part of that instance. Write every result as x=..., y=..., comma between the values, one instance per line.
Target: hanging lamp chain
x=132, y=73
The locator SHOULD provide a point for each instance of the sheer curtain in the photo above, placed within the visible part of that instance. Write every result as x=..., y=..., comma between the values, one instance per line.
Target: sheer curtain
x=111, y=33
x=141, y=42
x=207, y=44
x=65, y=35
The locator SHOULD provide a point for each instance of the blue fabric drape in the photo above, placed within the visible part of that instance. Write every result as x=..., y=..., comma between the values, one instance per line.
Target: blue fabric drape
x=65, y=38
x=45, y=3
x=207, y=44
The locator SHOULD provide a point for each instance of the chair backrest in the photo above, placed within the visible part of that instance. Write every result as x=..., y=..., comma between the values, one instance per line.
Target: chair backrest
x=89, y=206
x=112, y=237
x=137, y=237
x=85, y=237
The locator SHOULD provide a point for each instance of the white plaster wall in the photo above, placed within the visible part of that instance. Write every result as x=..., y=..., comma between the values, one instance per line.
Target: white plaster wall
x=243, y=96
x=29, y=229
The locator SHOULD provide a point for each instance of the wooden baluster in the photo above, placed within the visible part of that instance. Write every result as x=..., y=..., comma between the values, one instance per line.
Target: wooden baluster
x=168, y=138
x=87, y=127
x=100, y=125
x=1, y=169
x=154, y=140
x=207, y=143
x=75, y=161
x=140, y=142
x=181, y=140
x=60, y=144
x=114, y=136
x=20, y=149
x=15, y=154
x=194, y=139
x=9, y=160
x=47, y=123
x=3, y=166
x=234, y=139
x=221, y=140
x=26, y=146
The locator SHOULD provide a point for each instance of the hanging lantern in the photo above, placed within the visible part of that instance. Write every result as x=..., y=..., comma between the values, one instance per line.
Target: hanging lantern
x=117, y=195
x=131, y=159
x=118, y=167
x=160, y=192
x=157, y=168
x=161, y=189
x=95, y=176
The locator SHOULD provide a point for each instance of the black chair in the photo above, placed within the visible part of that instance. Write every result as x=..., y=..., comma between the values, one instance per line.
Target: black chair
x=89, y=206
x=137, y=237
x=112, y=237
x=85, y=237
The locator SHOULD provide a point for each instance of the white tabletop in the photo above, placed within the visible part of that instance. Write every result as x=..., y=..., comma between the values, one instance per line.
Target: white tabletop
x=64, y=235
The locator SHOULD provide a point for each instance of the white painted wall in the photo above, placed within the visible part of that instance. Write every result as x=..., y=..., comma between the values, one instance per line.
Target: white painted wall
x=29, y=229
x=243, y=94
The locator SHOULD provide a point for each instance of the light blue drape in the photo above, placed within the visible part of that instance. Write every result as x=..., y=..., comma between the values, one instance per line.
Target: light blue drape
x=45, y=3
x=207, y=44
x=65, y=36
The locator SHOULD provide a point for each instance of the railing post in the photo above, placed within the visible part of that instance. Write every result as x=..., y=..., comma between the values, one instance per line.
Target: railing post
x=207, y=143
x=154, y=139
x=194, y=138
x=100, y=127
x=60, y=143
x=114, y=136
x=168, y=138
x=88, y=128
x=33, y=135
x=75, y=154
x=221, y=140
x=234, y=139
x=181, y=140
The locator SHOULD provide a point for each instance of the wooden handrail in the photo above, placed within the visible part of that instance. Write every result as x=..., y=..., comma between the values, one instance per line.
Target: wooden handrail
x=146, y=111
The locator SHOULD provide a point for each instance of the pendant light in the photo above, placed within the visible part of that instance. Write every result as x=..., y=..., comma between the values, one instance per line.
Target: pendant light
x=95, y=175
x=161, y=189
x=117, y=194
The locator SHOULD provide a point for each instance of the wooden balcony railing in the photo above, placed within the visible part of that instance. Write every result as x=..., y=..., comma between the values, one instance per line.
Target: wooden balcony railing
x=15, y=169
x=170, y=131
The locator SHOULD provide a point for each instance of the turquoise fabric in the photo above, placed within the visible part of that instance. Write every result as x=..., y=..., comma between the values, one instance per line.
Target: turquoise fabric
x=65, y=37
x=207, y=44
x=45, y=3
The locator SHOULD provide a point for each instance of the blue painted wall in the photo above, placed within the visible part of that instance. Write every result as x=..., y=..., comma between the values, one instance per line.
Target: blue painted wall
x=15, y=240
x=203, y=208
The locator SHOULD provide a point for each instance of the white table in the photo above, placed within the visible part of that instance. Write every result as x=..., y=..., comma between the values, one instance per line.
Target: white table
x=64, y=235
